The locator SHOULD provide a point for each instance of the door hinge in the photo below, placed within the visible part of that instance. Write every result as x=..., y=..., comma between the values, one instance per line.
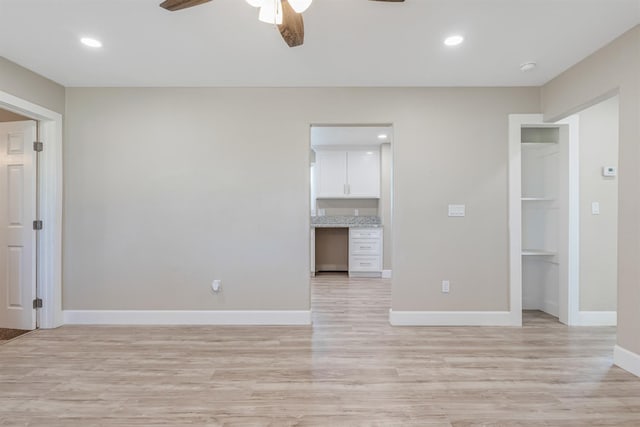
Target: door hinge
x=37, y=224
x=37, y=303
x=38, y=146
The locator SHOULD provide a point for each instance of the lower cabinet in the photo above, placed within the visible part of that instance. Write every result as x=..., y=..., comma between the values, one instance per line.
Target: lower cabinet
x=365, y=252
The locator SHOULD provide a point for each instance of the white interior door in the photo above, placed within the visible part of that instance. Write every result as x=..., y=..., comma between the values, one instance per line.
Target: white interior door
x=17, y=237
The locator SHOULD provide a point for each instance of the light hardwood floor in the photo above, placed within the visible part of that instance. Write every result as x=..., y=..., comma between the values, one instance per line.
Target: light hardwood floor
x=350, y=368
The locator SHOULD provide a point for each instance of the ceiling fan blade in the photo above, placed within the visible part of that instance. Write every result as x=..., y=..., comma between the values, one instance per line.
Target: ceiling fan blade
x=174, y=5
x=292, y=27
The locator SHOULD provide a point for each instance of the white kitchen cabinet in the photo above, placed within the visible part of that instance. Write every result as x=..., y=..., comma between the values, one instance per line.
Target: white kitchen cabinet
x=343, y=174
x=365, y=252
x=331, y=172
x=363, y=173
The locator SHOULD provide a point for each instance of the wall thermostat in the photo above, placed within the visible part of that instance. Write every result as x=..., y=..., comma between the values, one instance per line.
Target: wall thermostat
x=609, y=171
x=457, y=210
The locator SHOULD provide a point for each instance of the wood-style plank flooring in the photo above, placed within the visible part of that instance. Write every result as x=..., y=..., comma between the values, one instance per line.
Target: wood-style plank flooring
x=350, y=368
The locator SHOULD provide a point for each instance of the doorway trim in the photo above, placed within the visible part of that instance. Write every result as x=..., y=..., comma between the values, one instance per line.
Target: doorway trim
x=568, y=305
x=385, y=273
x=50, y=201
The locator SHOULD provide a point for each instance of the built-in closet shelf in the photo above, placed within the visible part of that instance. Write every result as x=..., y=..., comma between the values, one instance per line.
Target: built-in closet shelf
x=537, y=252
x=538, y=144
x=537, y=199
x=538, y=196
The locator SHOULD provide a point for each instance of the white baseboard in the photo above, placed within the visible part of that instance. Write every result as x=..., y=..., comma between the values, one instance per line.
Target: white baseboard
x=597, y=318
x=386, y=274
x=627, y=360
x=186, y=317
x=451, y=318
x=365, y=274
x=551, y=307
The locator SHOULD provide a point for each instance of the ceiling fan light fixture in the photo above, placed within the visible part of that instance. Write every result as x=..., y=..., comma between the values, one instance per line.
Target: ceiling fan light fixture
x=300, y=6
x=91, y=42
x=271, y=12
x=454, y=40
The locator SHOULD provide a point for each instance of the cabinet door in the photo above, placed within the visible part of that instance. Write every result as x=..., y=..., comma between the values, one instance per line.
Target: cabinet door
x=363, y=173
x=332, y=173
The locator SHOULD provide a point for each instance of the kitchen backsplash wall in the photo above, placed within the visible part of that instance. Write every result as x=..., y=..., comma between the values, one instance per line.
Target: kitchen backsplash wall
x=365, y=207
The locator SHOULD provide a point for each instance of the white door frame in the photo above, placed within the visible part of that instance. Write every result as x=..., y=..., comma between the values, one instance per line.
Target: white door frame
x=50, y=202
x=569, y=286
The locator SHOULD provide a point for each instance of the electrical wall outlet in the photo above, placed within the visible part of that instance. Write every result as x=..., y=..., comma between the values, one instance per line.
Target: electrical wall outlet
x=445, y=286
x=216, y=285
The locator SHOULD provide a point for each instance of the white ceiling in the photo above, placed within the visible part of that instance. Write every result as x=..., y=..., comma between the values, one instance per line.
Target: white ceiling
x=348, y=42
x=349, y=135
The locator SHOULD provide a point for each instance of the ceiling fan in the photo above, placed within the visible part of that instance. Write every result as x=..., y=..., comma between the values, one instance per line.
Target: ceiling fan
x=286, y=14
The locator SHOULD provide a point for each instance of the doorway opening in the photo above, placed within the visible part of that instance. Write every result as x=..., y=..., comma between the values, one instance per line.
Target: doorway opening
x=597, y=230
x=44, y=306
x=18, y=239
x=563, y=216
x=351, y=200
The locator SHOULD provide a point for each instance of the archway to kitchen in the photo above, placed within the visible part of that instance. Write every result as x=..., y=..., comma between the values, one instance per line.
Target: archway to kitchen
x=351, y=200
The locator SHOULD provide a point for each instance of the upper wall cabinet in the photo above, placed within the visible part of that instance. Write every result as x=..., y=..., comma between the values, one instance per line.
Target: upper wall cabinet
x=348, y=173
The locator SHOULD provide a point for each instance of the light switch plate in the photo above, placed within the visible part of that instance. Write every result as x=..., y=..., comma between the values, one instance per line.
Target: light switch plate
x=457, y=210
x=445, y=286
x=595, y=208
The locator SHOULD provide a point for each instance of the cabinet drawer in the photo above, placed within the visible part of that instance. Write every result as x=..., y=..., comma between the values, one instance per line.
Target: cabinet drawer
x=364, y=263
x=365, y=233
x=364, y=246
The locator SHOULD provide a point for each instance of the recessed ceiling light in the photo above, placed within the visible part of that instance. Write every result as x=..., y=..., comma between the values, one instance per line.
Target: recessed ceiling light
x=88, y=41
x=527, y=66
x=382, y=136
x=453, y=40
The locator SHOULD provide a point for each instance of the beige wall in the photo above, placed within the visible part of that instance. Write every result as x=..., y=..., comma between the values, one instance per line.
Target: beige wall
x=8, y=116
x=32, y=87
x=616, y=67
x=385, y=203
x=161, y=197
x=598, y=233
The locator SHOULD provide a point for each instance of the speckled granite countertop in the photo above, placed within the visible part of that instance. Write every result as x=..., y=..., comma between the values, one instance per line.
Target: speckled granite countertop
x=345, y=221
